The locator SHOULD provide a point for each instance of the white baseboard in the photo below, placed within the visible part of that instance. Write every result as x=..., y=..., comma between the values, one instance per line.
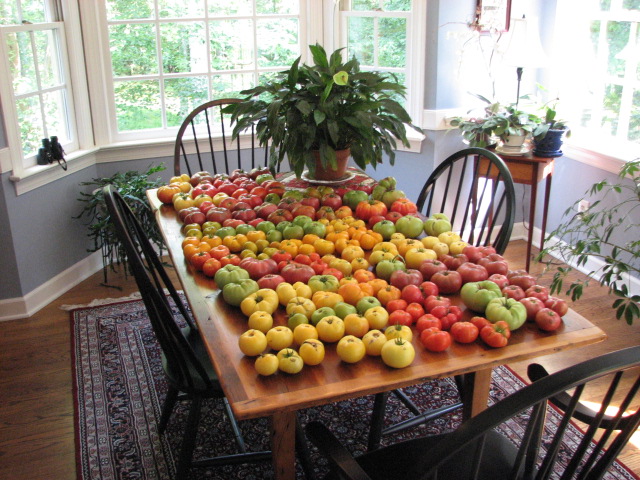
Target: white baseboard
x=24, y=307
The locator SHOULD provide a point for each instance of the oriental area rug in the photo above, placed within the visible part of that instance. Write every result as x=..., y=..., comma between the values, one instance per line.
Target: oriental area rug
x=119, y=388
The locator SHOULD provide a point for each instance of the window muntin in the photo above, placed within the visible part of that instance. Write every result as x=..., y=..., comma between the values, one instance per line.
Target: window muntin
x=190, y=55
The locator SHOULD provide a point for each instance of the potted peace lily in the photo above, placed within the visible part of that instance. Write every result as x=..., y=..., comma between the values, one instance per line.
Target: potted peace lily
x=319, y=115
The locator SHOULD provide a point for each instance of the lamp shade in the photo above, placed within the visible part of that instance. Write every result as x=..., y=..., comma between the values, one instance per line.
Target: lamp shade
x=524, y=48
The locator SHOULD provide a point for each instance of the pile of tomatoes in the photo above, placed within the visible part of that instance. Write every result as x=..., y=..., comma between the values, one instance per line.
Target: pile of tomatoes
x=347, y=270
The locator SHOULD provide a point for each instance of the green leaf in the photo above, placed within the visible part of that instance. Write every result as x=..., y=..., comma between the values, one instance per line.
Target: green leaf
x=318, y=116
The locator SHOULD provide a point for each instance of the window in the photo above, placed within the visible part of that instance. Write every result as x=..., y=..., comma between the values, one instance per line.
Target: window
x=598, y=74
x=36, y=78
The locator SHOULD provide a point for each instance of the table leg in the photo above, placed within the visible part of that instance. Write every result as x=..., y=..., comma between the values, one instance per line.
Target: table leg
x=547, y=190
x=475, y=390
x=532, y=211
x=283, y=434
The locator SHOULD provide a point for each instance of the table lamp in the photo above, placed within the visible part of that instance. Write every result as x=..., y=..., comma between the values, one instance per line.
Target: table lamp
x=524, y=48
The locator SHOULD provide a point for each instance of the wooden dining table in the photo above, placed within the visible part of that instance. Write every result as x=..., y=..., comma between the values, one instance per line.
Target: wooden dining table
x=280, y=396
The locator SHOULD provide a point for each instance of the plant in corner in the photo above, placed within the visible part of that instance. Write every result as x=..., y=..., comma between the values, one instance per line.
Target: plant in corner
x=132, y=185
x=605, y=233
x=327, y=107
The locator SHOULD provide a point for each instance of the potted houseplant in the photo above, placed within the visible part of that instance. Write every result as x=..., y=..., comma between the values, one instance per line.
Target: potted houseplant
x=604, y=238
x=317, y=114
x=548, y=136
x=133, y=186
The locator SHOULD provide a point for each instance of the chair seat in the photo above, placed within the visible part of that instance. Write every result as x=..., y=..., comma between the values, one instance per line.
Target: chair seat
x=195, y=341
x=402, y=460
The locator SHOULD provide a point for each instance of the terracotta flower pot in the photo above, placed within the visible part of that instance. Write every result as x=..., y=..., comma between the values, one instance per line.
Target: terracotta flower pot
x=322, y=173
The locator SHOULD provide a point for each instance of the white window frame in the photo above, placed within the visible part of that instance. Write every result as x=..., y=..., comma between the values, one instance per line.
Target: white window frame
x=606, y=153
x=11, y=158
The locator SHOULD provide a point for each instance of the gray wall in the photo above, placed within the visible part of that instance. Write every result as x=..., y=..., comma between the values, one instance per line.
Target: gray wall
x=39, y=237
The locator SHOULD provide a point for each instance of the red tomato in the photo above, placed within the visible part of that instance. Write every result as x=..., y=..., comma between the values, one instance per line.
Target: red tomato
x=496, y=335
x=211, y=266
x=415, y=310
x=500, y=280
x=199, y=259
x=495, y=264
x=394, y=305
x=366, y=210
x=393, y=216
x=435, y=340
x=558, y=305
x=433, y=301
x=220, y=251
x=513, y=291
x=548, y=320
x=400, y=317
x=521, y=278
x=533, y=306
x=447, y=315
x=471, y=272
x=431, y=266
x=452, y=262
x=480, y=322
x=166, y=193
x=447, y=281
x=281, y=255
x=428, y=321
x=412, y=294
x=538, y=291
x=464, y=332
x=335, y=272
x=404, y=206
x=231, y=259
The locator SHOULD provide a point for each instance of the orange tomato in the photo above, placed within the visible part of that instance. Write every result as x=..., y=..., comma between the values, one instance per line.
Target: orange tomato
x=190, y=250
x=367, y=289
x=363, y=275
x=290, y=246
x=324, y=247
x=388, y=293
x=377, y=284
x=359, y=264
x=346, y=280
x=351, y=252
x=351, y=292
x=214, y=241
x=369, y=239
x=190, y=241
x=310, y=238
x=326, y=299
x=344, y=211
x=255, y=235
x=306, y=249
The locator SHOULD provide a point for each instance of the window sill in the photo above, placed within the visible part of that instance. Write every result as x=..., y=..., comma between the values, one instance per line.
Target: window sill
x=595, y=156
x=39, y=175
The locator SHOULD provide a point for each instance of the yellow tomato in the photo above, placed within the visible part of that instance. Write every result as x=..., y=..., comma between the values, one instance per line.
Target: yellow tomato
x=415, y=256
x=359, y=264
x=457, y=247
x=449, y=237
x=342, y=265
x=324, y=247
x=303, y=290
x=300, y=305
x=326, y=299
x=352, y=252
x=312, y=351
x=262, y=321
x=303, y=332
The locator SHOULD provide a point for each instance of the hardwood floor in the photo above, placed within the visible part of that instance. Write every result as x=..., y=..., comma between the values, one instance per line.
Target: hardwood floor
x=36, y=406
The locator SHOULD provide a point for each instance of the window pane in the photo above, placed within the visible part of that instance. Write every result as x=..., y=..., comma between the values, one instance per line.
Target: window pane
x=277, y=42
x=230, y=85
x=8, y=13
x=611, y=107
x=225, y=7
x=183, y=48
x=31, y=125
x=277, y=6
x=393, y=42
x=397, y=5
x=231, y=44
x=634, y=121
x=128, y=9
x=33, y=11
x=180, y=8
x=54, y=115
x=631, y=4
x=361, y=38
x=617, y=39
x=23, y=66
x=138, y=105
x=183, y=95
x=133, y=49
x=365, y=5
x=48, y=62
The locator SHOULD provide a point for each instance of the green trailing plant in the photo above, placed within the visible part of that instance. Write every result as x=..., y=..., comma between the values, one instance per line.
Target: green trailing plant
x=132, y=185
x=603, y=232
x=327, y=106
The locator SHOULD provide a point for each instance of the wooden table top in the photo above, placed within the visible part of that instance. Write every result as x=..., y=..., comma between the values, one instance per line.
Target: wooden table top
x=251, y=395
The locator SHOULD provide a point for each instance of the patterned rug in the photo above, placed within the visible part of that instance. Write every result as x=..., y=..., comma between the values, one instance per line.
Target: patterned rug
x=119, y=387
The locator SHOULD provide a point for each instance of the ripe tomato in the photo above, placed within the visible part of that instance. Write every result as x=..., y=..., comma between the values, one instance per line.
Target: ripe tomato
x=166, y=193
x=397, y=353
x=464, y=332
x=350, y=349
x=266, y=364
x=211, y=266
x=312, y=351
x=428, y=321
x=447, y=281
x=415, y=310
x=538, y=291
x=433, y=301
x=400, y=317
x=435, y=340
x=394, y=305
x=447, y=315
x=533, y=306
x=558, y=305
x=199, y=259
x=496, y=335
x=513, y=291
x=404, y=206
x=252, y=342
x=548, y=320
x=480, y=322
x=365, y=210
x=290, y=362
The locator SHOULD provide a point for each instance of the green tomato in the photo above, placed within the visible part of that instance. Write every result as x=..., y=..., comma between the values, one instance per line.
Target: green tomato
x=409, y=226
x=365, y=303
x=274, y=235
x=293, y=231
x=225, y=232
x=297, y=194
x=230, y=274
x=302, y=220
x=506, y=310
x=260, y=179
x=385, y=268
x=391, y=196
x=244, y=229
x=436, y=224
x=297, y=319
x=386, y=228
x=477, y=295
x=324, y=283
x=282, y=225
x=265, y=226
x=353, y=197
x=272, y=198
x=234, y=293
x=315, y=228
x=320, y=313
x=342, y=309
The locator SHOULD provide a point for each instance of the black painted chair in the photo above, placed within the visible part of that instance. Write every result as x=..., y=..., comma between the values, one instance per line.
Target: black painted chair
x=203, y=143
x=477, y=449
x=482, y=212
x=189, y=371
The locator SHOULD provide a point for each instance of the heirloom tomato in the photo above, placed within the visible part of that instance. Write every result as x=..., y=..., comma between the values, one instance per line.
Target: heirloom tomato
x=447, y=281
x=367, y=209
x=264, y=300
x=351, y=349
x=235, y=293
x=548, y=320
x=252, y=342
x=279, y=337
x=435, y=340
x=496, y=335
x=312, y=351
x=507, y=310
x=538, y=291
x=262, y=321
x=330, y=329
x=290, y=362
x=447, y=315
x=404, y=206
x=428, y=321
x=303, y=332
x=464, y=332
x=533, y=305
x=477, y=295
x=266, y=364
x=166, y=193
x=300, y=305
x=558, y=305
x=398, y=331
x=373, y=341
x=400, y=317
x=397, y=353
